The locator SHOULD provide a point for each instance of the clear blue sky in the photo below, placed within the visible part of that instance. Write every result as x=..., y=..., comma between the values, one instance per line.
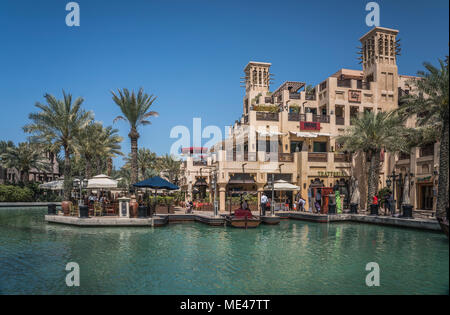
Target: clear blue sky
x=190, y=53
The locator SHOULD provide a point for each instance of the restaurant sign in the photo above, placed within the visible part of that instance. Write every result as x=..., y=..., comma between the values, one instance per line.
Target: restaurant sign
x=354, y=96
x=331, y=174
x=309, y=125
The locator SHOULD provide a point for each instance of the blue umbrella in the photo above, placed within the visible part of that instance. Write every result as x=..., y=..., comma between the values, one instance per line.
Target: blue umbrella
x=156, y=183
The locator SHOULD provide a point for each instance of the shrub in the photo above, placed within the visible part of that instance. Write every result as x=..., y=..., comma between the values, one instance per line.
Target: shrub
x=9, y=193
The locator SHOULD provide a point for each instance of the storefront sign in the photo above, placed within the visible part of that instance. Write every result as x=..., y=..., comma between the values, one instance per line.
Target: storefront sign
x=331, y=174
x=424, y=179
x=309, y=125
x=354, y=96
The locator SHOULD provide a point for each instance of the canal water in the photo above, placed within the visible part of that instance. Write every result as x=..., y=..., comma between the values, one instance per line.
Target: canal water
x=191, y=258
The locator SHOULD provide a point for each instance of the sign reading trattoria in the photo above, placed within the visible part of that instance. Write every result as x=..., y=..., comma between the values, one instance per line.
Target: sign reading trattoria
x=331, y=174
x=310, y=125
x=354, y=96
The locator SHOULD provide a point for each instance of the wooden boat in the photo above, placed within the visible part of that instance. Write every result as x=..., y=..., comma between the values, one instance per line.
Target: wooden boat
x=444, y=225
x=243, y=219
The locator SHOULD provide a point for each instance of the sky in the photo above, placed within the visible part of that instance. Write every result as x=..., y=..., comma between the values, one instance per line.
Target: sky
x=189, y=53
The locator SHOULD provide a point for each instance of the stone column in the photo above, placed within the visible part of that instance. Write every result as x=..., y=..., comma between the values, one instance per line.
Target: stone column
x=222, y=197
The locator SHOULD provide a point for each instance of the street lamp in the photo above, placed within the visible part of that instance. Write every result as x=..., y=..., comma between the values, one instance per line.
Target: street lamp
x=272, y=204
x=214, y=184
x=80, y=184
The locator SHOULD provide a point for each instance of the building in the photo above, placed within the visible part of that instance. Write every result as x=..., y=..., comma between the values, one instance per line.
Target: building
x=291, y=132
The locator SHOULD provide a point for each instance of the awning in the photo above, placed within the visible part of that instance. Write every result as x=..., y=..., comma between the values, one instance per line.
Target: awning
x=101, y=182
x=304, y=134
x=54, y=185
x=282, y=185
x=264, y=133
x=241, y=179
x=310, y=134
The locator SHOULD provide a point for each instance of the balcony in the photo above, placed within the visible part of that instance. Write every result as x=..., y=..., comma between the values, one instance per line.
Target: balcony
x=267, y=116
x=294, y=96
x=321, y=118
x=268, y=100
x=342, y=158
x=427, y=151
x=286, y=157
x=200, y=163
x=296, y=117
x=340, y=121
x=317, y=157
x=363, y=85
x=344, y=83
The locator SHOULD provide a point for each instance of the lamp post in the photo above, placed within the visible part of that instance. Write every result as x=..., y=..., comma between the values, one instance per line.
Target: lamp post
x=272, y=205
x=214, y=183
x=392, y=179
x=81, y=184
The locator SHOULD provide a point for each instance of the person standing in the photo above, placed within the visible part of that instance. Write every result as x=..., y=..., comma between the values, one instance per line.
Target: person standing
x=318, y=200
x=263, y=204
x=310, y=199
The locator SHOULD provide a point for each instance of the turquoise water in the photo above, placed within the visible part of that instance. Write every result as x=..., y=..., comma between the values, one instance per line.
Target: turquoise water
x=191, y=258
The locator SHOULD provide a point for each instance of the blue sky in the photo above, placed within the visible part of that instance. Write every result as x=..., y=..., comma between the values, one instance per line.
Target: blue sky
x=190, y=53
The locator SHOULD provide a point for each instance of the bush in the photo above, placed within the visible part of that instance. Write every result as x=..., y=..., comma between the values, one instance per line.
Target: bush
x=9, y=193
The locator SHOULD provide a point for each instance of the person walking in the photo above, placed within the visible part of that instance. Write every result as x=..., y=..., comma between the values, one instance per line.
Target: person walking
x=263, y=204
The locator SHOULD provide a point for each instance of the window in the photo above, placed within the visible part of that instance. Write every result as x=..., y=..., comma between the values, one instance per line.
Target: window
x=296, y=146
x=319, y=146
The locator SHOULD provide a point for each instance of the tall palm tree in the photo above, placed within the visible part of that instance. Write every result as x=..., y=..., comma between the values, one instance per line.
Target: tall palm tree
x=430, y=107
x=58, y=123
x=370, y=134
x=23, y=158
x=135, y=110
x=170, y=167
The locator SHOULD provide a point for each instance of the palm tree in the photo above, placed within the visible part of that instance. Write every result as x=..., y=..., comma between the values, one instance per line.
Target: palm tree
x=23, y=158
x=96, y=144
x=169, y=167
x=58, y=123
x=370, y=134
x=135, y=109
x=430, y=107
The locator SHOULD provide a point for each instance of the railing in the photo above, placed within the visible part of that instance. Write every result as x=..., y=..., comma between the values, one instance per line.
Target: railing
x=285, y=157
x=296, y=117
x=342, y=158
x=340, y=120
x=200, y=163
x=427, y=151
x=321, y=118
x=404, y=156
x=268, y=100
x=294, y=96
x=317, y=157
x=363, y=85
x=267, y=116
x=344, y=83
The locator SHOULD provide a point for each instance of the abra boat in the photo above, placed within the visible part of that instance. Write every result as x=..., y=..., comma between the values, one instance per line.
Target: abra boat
x=243, y=219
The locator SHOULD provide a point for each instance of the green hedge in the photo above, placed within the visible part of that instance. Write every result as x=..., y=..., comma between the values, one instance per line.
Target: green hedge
x=9, y=193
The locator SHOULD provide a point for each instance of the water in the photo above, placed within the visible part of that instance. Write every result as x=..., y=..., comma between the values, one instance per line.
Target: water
x=191, y=258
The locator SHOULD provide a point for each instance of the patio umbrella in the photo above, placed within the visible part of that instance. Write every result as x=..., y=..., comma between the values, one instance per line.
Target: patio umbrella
x=156, y=183
x=54, y=185
x=282, y=185
x=101, y=182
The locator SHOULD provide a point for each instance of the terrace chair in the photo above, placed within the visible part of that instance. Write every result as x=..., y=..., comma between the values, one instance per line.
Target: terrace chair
x=98, y=210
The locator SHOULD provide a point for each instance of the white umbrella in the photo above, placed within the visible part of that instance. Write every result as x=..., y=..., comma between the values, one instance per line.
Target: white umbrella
x=54, y=185
x=282, y=185
x=101, y=181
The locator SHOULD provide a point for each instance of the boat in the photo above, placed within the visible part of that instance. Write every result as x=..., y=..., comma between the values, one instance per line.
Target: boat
x=444, y=225
x=243, y=219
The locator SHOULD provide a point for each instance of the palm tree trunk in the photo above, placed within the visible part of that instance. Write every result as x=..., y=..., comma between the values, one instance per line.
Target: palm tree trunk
x=374, y=173
x=109, y=166
x=442, y=198
x=88, y=168
x=67, y=175
x=134, y=166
